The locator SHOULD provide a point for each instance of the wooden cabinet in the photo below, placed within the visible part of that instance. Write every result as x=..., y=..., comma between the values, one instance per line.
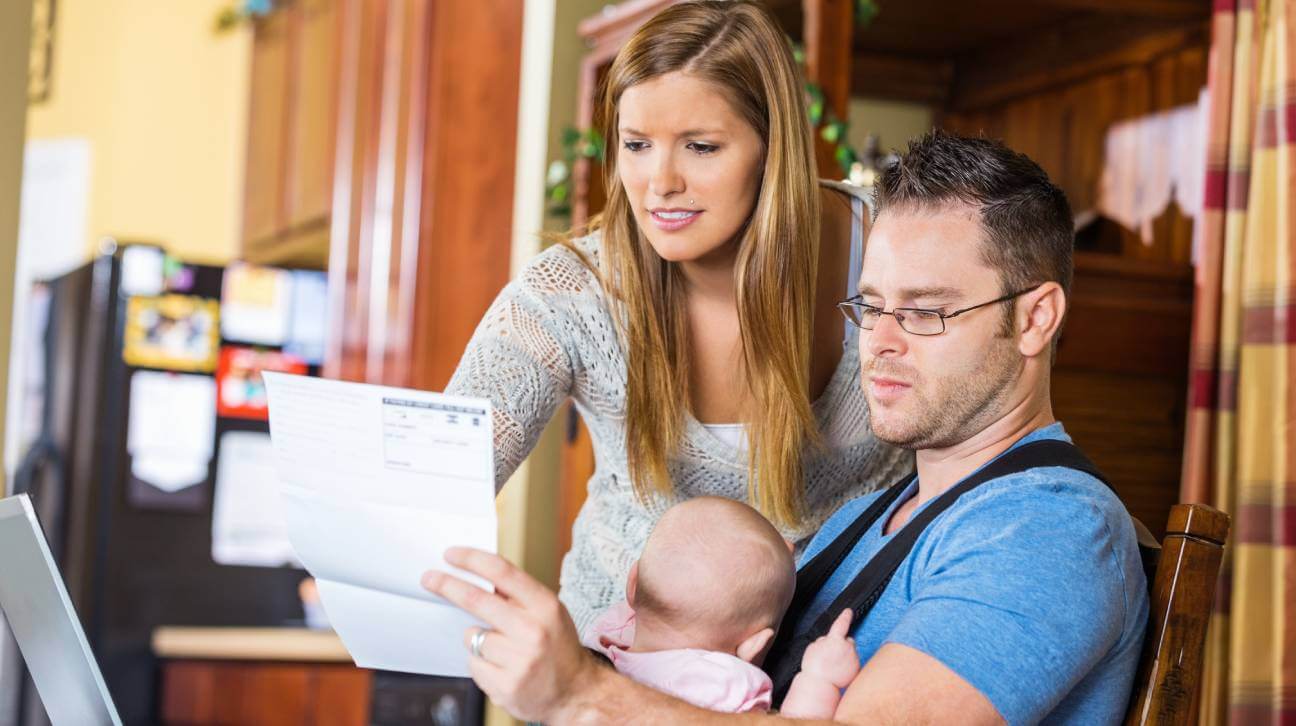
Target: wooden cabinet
x=403, y=114
x=250, y=676
x=224, y=676
x=263, y=177
x=423, y=231
x=308, y=179
x=292, y=129
x=217, y=693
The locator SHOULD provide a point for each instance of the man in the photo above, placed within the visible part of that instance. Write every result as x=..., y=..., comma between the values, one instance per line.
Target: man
x=1025, y=599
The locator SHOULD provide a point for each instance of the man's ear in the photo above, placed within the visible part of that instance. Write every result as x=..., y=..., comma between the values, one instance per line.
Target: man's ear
x=753, y=648
x=632, y=583
x=1045, y=308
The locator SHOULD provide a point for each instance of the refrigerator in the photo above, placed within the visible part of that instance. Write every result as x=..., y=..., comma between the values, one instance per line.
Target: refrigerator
x=136, y=555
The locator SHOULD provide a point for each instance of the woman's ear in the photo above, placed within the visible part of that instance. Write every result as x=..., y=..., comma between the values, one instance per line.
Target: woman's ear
x=632, y=583
x=753, y=648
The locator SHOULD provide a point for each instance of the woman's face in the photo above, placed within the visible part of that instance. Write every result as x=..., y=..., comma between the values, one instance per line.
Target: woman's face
x=691, y=166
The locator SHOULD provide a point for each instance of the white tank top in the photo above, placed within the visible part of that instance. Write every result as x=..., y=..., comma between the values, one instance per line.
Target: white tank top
x=735, y=434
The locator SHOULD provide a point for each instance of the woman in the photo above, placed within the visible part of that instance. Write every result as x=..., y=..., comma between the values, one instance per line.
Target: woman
x=696, y=327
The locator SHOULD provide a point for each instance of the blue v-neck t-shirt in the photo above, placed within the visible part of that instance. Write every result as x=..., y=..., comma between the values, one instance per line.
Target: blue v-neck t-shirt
x=1030, y=588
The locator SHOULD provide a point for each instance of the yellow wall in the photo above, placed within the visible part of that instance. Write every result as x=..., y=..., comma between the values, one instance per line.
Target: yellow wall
x=894, y=122
x=163, y=101
x=15, y=25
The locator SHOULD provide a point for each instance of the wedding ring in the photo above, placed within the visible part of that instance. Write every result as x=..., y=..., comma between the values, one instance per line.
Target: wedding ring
x=475, y=645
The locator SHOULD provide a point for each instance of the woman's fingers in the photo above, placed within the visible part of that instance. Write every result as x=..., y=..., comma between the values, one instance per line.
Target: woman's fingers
x=487, y=606
x=841, y=626
x=510, y=581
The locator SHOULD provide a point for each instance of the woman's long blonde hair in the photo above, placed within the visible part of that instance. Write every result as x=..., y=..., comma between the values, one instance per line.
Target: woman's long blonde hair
x=739, y=48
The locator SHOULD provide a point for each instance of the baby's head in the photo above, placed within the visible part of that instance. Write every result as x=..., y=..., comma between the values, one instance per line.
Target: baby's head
x=714, y=575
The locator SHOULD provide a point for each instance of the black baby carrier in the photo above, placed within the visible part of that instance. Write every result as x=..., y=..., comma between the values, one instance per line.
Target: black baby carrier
x=784, y=659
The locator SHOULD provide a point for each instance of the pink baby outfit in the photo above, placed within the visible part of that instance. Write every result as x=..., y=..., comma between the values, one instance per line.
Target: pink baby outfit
x=717, y=681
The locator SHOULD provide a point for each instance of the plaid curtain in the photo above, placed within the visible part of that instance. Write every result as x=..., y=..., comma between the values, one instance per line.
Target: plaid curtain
x=1241, y=441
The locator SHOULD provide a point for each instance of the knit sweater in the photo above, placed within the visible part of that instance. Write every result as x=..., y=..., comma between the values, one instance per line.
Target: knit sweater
x=550, y=335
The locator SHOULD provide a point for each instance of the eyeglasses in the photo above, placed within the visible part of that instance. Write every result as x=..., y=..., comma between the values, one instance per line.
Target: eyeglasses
x=915, y=321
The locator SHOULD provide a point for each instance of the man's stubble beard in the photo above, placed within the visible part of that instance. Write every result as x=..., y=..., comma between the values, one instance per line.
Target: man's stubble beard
x=957, y=409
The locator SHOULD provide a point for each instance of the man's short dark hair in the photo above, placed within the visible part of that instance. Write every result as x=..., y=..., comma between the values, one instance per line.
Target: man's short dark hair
x=1029, y=233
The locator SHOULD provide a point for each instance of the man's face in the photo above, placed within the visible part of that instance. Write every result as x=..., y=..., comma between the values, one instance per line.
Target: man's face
x=932, y=392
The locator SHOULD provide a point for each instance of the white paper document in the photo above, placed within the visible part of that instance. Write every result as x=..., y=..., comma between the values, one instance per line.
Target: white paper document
x=376, y=483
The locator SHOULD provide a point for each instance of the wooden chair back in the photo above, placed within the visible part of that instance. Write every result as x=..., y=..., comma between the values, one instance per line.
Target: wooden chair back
x=1182, y=592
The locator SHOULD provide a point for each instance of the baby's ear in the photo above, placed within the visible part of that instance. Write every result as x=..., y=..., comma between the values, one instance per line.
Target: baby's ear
x=753, y=648
x=632, y=583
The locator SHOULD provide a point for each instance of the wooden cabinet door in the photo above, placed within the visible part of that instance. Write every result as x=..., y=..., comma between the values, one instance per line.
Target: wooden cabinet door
x=312, y=120
x=248, y=693
x=264, y=175
x=427, y=149
x=341, y=696
x=292, y=133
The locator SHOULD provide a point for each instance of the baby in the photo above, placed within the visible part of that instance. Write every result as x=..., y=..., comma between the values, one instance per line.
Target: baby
x=702, y=606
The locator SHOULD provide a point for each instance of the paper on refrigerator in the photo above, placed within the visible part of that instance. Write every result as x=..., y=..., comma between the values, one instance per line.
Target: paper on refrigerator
x=376, y=483
x=247, y=518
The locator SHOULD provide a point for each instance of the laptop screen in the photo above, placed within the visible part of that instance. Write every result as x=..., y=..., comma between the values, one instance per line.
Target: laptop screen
x=45, y=625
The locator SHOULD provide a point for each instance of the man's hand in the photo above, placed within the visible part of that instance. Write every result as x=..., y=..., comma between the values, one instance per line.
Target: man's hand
x=531, y=656
x=533, y=665
x=833, y=657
